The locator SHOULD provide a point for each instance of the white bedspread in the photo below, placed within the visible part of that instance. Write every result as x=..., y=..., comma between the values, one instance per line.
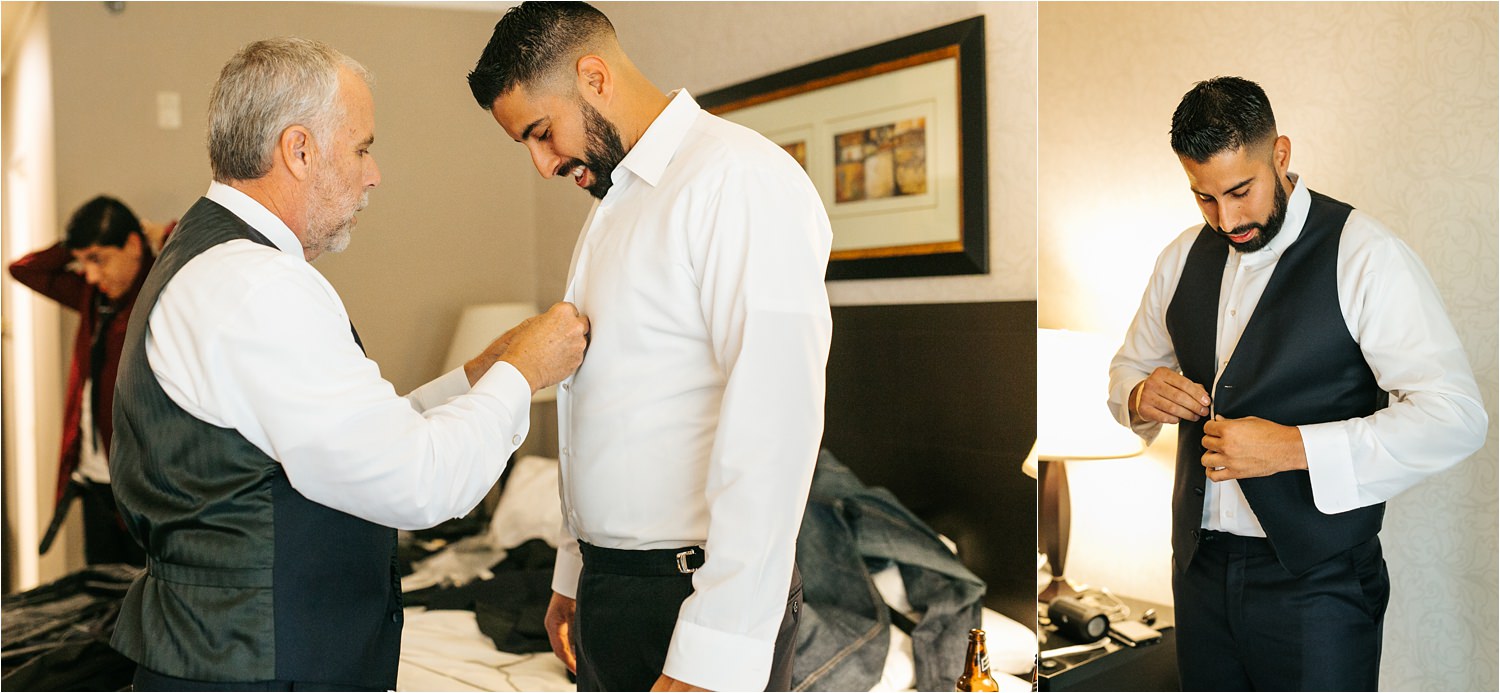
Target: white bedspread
x=444, y=651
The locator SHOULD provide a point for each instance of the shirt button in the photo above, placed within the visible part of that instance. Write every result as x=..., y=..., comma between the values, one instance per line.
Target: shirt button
x=515, y=439
x=564, y=452
x=567, y=386
x=1232, y=311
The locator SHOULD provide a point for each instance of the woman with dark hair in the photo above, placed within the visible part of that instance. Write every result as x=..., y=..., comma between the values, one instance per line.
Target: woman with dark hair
x=96, y=270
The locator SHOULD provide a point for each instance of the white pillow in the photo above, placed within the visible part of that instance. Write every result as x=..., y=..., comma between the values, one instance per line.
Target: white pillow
x=529, y=506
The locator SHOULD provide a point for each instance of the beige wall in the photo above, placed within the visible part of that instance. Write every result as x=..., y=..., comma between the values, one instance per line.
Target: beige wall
x=451, y=222
x=703, y=46
x=1391, y=107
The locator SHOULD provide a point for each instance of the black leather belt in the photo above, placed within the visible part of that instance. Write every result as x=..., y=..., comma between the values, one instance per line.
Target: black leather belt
x=642, y=563
x=1232, y=543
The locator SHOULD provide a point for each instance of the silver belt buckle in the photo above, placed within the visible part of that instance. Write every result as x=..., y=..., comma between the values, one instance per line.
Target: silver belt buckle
x=682, y=562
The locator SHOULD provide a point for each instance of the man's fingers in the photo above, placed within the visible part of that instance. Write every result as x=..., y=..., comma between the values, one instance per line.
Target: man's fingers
x=1169, y=406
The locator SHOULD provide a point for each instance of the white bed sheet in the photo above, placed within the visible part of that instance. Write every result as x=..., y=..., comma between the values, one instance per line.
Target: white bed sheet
x=444, y=651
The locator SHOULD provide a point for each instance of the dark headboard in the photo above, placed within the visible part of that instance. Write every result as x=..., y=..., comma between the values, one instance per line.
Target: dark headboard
x=938, y=404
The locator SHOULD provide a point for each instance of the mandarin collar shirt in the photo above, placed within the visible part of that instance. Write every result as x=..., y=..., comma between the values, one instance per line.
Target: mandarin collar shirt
x=253, y=338
x=1393, y=311
x=697, y=414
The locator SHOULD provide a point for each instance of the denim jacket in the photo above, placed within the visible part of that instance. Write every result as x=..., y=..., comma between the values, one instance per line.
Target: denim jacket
x=842, y=640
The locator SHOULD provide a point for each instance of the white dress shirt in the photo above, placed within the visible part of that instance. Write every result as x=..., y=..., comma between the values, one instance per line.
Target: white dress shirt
x=1392, y=309
x=697, y=414
x=254, y=339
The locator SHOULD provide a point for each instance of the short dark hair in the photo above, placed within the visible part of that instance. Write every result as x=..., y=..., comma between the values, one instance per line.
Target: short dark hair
x=101, y=221
x=529, y=42
x=1221, y=114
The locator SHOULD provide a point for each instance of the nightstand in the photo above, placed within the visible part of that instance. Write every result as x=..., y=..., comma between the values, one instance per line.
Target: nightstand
x=1115, y=667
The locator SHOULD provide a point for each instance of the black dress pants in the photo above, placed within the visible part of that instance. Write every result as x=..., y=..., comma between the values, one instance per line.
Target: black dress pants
x=627, y=611
x=1246, y=624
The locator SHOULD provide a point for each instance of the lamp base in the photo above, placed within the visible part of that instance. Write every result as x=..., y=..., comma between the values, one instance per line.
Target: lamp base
x=1059, y=587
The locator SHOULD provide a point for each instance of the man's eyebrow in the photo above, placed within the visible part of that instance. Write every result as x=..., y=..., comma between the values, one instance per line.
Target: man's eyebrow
x=1241, y=184
x=1236, y=186
x=526, y=133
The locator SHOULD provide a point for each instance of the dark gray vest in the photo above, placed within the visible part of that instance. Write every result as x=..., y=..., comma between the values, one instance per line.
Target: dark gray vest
x=1295, y=364
x=246, y=579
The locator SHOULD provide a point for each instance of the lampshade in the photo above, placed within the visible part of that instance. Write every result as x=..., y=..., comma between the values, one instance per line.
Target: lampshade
x=479, y=325
x=1073, y=420
x=1072, y=423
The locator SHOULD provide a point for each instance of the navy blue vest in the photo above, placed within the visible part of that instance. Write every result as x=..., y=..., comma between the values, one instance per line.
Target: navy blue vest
x=247, y=580
x=1295, y=364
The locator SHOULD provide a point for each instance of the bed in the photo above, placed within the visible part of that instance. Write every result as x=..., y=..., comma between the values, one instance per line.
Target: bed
x=933, y=402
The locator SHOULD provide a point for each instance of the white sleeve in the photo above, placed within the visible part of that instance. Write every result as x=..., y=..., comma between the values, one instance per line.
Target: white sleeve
x=1436, y=417
x=279, y=364
x=766, y=309
x=1147, y=344
x=440, y=390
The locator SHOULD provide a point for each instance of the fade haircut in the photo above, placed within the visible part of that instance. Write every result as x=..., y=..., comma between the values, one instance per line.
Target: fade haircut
x=101, y=221
x=1219, y=115
x=267, y=87
x=531, y=43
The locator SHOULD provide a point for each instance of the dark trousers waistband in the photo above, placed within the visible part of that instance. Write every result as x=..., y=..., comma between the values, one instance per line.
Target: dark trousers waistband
x=642, y=563
x=1224, y=542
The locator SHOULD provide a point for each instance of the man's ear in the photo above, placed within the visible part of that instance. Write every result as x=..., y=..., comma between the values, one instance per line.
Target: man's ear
x=1282, y=155
x=595, y=80
x=297, y=150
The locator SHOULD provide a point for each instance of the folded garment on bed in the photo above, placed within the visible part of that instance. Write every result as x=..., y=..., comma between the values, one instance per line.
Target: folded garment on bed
x=510, y=605
x=56, y=637
x=842, y=640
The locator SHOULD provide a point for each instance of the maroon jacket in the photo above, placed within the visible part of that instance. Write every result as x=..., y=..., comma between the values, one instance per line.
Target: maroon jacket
x=46, y=272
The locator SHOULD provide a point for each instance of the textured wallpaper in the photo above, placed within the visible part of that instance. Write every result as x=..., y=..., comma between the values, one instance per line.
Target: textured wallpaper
x=1391, y=107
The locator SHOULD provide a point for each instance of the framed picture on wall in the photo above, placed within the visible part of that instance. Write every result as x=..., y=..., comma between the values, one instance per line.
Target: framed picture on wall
x=893, y=137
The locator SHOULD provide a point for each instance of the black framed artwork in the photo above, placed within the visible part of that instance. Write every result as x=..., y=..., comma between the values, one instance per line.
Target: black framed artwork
x=894, y=138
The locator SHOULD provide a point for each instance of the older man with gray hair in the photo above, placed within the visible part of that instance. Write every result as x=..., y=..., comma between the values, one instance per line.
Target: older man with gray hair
x=260, y=459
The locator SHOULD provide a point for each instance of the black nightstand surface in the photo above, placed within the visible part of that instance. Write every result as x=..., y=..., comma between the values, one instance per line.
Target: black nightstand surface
x=1115, y=667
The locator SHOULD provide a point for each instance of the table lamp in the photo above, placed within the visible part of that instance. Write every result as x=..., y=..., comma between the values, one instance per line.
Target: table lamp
x=1073, y=424
x=479, y=325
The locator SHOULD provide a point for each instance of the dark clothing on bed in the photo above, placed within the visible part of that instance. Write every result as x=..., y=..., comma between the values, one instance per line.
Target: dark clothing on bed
x=627, y=611
x=848, y=528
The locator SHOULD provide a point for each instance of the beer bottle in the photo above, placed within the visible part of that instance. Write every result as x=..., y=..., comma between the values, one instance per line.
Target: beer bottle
x=976, y=675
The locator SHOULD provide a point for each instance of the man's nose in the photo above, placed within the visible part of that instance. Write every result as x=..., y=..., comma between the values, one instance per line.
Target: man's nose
x=91, y=273
x=372, y=177
x=546, y=164
x=1230, y=217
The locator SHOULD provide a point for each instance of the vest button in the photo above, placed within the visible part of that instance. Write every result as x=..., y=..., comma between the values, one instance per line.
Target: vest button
x=1198, y=490
x=395, y=617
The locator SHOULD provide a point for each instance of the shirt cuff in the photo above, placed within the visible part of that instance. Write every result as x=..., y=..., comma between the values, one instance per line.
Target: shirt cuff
x=1330, y=466
x=507, y=384
x=697, y=656
x=565, y=572
x=440, y=390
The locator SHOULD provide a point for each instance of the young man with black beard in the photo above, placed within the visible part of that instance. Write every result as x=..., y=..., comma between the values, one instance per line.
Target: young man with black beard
x=688, y=437
x=1306, y=358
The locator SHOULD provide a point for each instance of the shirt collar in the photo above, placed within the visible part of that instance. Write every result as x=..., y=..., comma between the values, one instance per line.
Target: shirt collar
x=256, y=215
x=649, y=157
x=1291, y=226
